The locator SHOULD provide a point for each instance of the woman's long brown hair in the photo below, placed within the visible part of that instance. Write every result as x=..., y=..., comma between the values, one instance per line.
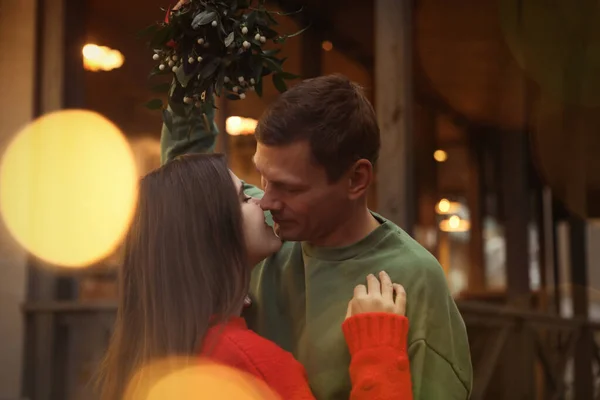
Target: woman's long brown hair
x=185, y=267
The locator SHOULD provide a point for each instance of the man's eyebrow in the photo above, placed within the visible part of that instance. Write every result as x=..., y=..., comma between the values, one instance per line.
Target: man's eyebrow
x=284, y=183
x=241, y=190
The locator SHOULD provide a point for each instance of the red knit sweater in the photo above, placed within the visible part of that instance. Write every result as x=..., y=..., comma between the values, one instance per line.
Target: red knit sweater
x=379, y=367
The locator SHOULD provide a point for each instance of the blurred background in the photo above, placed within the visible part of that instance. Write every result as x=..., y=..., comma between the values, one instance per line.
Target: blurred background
x=489, y=159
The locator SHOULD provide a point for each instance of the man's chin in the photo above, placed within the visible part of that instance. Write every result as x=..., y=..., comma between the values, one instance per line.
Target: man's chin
x=277, y=230
x=281, y=234
x=285, y=235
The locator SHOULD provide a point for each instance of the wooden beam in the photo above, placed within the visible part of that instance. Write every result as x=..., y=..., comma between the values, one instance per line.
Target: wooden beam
x=394, y=104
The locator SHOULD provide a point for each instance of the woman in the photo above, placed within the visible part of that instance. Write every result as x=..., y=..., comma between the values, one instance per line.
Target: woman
x=186, y=272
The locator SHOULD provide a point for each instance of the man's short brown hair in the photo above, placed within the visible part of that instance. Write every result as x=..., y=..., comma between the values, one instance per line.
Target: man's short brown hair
x=332, y=114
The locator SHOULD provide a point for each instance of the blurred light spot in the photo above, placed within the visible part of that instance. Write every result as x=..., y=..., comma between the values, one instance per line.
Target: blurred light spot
x=195, y=379
x=236, y=126
x=440, y=155
x=101, y=58
x=455, y=224
x=146, y=152
x=327, y=45
x=444, y=207
x=68, y=187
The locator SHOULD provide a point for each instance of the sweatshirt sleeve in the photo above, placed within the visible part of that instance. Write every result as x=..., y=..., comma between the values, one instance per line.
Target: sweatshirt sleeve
x=379, y=366
x=186, y=130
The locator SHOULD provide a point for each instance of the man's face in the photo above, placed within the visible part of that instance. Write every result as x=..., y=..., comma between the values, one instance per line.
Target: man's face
x=303, y=203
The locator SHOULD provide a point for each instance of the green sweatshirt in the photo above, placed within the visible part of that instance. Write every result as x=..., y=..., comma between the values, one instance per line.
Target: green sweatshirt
x=300, y=296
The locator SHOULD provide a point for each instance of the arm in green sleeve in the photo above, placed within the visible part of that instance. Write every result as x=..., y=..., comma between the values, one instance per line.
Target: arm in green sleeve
x=440, y=359
x=433, y=377
x=184, y=131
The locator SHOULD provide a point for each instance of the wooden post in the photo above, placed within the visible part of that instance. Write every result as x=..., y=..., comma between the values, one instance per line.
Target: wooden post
x=515, y=205
x=73, y=41
x=425, y=144
x=17, y=71
x=584, y=381
x=393, y=99
x=312, y=54
x=576, y=199
x=50, y=93
x=515, y=202
x=475, y=201
x=221, y=115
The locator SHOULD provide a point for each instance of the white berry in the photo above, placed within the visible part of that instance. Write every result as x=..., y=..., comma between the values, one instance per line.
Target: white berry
x=241, y=79
x=242, y=96
x=174, y=69
x=244, y=30
x=188, y=100
x=225, y=12
x=200, y=41
x=175, y=58
x=171, y=63
x=161, y=67
x=246, y=44
x=155, y=57
x=263, y=39
x=206, y=45
x=252, y=81
x=214, y=23
x=257, y=36
x=191, y=60
x=235, y=89
x=199, y=59
x=252, y=88
x=226, y=79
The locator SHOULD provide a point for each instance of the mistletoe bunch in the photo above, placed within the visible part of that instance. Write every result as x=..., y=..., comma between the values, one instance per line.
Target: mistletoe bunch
x=216, y=47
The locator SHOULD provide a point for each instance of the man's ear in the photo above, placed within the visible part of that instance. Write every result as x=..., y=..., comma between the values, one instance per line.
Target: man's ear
x=360, y=178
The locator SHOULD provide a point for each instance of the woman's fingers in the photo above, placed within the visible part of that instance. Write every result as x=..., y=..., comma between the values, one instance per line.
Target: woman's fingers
x=387, y=289
x=373, y=285
x=400, y=298
x=179, y=4
x=376, y=296
x=360, y=291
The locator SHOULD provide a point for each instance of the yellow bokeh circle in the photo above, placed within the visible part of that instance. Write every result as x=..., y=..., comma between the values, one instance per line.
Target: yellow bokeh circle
x=195, y=379
x=68, y=187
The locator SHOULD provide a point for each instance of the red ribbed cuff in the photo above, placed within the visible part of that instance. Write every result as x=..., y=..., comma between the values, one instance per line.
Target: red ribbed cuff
x=368, y=330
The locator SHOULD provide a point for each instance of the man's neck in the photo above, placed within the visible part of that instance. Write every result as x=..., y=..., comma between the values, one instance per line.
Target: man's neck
x=350, y=230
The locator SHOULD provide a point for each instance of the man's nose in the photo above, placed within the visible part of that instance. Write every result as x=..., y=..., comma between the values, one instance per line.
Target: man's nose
x=269, y=203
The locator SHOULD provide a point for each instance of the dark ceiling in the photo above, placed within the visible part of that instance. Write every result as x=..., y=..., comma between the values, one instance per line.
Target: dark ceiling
x=464, y=70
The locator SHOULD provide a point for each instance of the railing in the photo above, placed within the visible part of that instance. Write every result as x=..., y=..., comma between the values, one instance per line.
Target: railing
x=65, y=341
x=533, y=355
x=516, y=354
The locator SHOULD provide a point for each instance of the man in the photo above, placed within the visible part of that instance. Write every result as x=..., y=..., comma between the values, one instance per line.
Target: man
x=317, y=145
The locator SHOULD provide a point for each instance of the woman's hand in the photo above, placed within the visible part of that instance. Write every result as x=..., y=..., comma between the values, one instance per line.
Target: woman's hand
x=378, y=297
x=179, y=4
